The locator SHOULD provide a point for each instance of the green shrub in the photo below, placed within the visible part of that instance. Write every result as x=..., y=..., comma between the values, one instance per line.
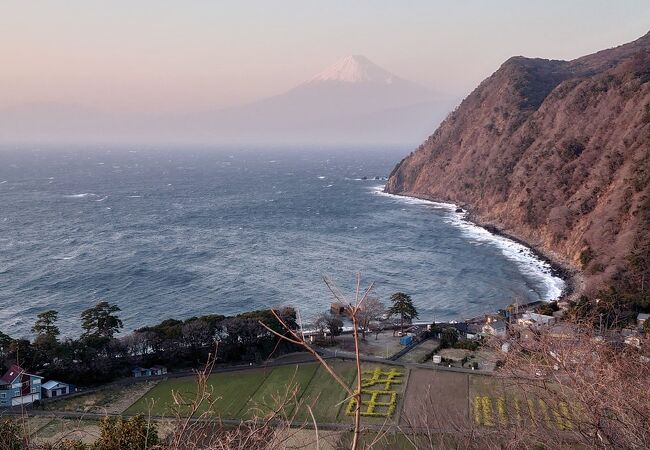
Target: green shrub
x=448, y=337
x=586, y=256
x=466, y=344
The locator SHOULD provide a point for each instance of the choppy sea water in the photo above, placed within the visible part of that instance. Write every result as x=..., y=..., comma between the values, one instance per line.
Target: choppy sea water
x=179, y=233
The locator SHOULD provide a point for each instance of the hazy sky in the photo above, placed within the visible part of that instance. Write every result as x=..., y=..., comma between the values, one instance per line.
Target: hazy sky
x=159, y=55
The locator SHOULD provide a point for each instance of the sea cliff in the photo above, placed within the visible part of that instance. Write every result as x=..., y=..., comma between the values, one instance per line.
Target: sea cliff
x=554, y=153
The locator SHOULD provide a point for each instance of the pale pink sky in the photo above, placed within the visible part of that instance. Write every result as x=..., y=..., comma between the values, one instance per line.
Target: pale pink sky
x=164, y=56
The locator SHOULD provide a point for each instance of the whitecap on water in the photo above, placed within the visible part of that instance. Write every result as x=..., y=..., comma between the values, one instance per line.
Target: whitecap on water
x=84, y=195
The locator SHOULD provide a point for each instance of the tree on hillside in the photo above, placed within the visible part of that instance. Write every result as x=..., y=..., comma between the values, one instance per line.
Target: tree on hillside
x=45, y=324
x=402, y=307
x=370, y=310
x=23, y=352
x=101, y=321
x=448, y=337
x=46, y=342
x=335, y=326
x=320, y=322
x=5, y=341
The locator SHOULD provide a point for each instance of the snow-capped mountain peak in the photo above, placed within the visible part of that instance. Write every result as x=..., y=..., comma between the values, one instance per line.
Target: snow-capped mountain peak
x=354, y=69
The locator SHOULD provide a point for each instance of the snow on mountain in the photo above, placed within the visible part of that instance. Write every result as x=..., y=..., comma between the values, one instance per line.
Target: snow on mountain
x=354, y=69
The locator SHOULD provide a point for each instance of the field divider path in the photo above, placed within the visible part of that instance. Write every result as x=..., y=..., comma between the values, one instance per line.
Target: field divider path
x=266, y=375
x=402, y=398
x=305, y=389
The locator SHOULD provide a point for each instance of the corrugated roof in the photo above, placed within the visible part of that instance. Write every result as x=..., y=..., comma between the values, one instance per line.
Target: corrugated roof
x=52, y=384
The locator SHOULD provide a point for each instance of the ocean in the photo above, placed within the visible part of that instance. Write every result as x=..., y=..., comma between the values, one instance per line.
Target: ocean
x=176, y=233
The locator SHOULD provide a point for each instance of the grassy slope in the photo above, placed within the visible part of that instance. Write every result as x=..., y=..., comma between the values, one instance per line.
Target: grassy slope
x=324, y=395
x=280, y=383
x=231, y=391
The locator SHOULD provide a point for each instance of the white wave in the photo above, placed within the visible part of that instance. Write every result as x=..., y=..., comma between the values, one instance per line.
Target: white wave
x=379, y=190
x=134, y=196
x=526, y=260
x=102, y=199
x=321, y=177
x=521, y=255
x=3, y=182
x=84, y=195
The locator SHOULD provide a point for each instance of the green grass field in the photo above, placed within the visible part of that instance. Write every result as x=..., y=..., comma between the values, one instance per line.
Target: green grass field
x=246, y=393
x=230, y=392
x=278, y=388
x=324, y=395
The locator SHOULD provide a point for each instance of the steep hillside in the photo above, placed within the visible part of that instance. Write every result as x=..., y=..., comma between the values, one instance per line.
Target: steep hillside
x=556, y=153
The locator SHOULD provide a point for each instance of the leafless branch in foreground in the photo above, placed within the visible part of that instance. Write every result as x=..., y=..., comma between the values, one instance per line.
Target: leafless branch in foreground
x=297, y=338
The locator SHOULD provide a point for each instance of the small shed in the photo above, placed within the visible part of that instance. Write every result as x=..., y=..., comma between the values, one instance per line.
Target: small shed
x=142, y=372
x=406, y=340
x=641, y=318
x=139, y=372
x=158, y=370
x=56, y=389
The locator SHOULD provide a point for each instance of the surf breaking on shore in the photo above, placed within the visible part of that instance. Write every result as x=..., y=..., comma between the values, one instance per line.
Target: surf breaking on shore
x=524, y=257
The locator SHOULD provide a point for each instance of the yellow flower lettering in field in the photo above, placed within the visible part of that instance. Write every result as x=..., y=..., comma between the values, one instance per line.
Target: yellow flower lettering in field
x=378, y=395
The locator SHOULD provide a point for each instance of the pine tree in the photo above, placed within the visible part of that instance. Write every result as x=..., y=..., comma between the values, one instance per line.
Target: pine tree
x=101, y=321
x=45, y=324
x=402, y=306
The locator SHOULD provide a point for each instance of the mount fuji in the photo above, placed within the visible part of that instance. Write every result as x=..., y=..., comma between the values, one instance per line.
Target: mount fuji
x=353, y=101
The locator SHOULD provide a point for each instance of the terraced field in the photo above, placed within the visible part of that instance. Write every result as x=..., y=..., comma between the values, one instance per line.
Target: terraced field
x=248, y=393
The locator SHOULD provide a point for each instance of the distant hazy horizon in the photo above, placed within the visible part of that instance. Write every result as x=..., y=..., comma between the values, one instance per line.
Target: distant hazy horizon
x=149, y=59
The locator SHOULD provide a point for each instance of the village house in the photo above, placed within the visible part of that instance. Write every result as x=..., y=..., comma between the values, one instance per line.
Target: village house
x=515, y=310
x=139, y=372
x=536, y=321
x=56, y=389
x=495, y=327
x=467, y=330
x=18, y=387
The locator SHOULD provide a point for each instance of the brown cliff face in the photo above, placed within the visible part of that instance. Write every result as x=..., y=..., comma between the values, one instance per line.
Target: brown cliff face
x=556, y=153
